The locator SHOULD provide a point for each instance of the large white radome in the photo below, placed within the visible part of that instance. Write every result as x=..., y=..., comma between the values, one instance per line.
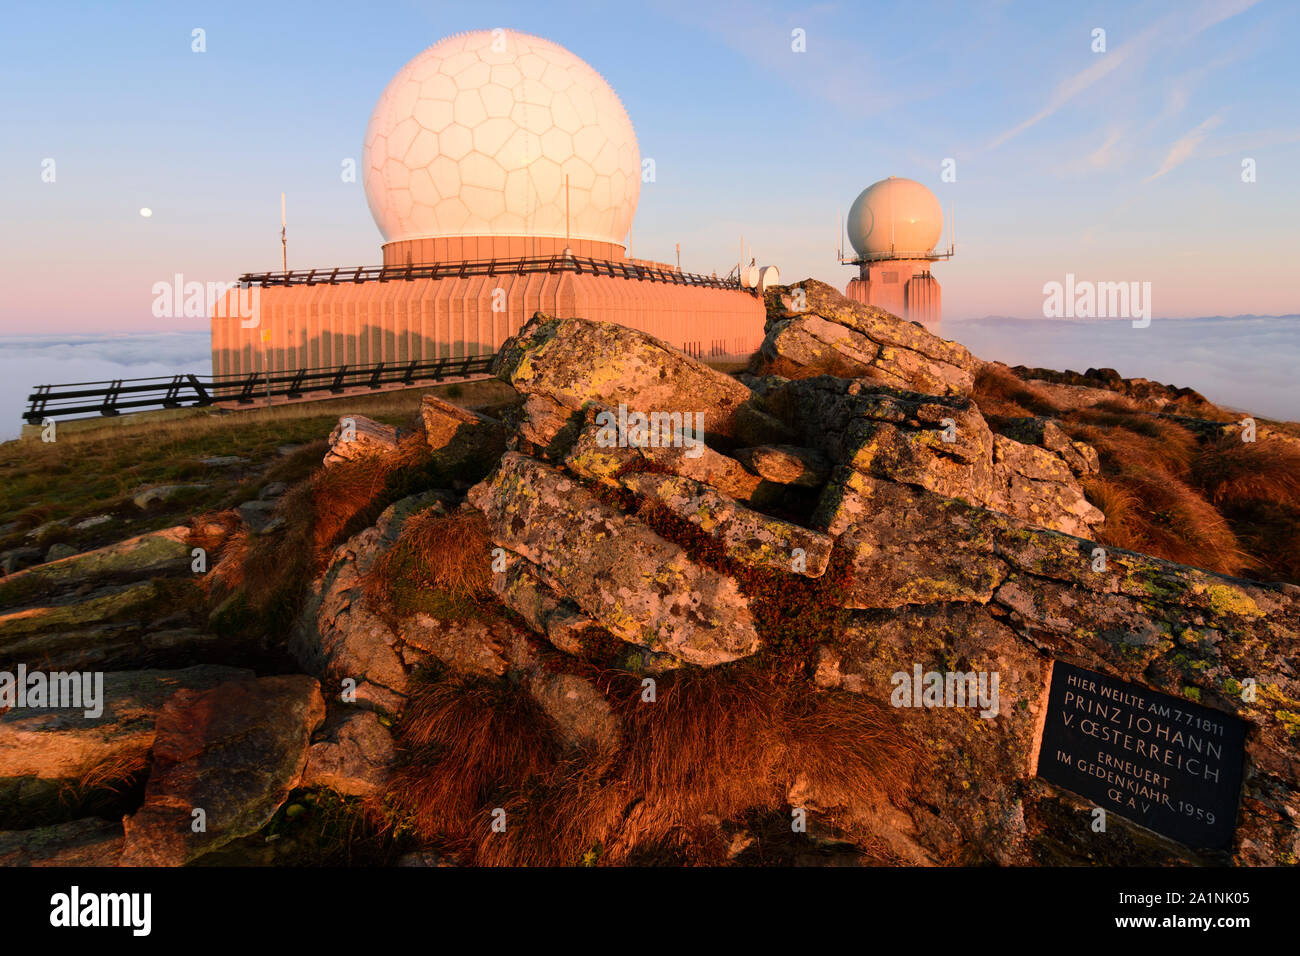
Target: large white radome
x=468, y=140
x=895, y=215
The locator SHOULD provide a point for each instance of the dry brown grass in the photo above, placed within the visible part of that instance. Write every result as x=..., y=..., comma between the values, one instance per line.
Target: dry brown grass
x=320, y=513
x=1235, y=471
x=473, y=742
x=714, y=745
x=998, y=392
x=450, y=553
x=1164, y=517
x=835, y=364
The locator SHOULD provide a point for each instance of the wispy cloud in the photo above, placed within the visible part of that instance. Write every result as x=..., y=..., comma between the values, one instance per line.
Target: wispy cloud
x=1186, y=145
x=1170, y=28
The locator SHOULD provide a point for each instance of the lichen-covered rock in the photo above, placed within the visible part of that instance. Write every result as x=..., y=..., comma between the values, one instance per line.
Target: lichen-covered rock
x=521, y=588
x=1176, y=629
x=544, y=426
x=814, y=327
x=640, y=587
x=1080, y=457
x=356, y=436
x=155, y=551
x=234, y=752
x=936, y=443
x=594, y=456
x=748, y=536
x=576, y=361
x=1037, y=485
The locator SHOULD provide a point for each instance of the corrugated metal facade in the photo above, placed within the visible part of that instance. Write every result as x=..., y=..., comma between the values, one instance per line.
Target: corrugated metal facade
x=405, y=320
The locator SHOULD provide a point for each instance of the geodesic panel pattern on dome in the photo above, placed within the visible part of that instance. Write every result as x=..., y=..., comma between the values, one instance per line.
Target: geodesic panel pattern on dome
x=476, y=134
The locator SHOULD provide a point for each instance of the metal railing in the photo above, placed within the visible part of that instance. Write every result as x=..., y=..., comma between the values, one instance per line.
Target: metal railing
x=180, y=391
x=582, y=265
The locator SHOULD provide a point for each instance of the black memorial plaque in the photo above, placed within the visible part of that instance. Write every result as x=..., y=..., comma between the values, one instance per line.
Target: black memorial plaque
x=1169, y=764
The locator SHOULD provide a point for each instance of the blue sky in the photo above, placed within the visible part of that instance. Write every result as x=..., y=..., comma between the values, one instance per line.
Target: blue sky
x=1122, y=165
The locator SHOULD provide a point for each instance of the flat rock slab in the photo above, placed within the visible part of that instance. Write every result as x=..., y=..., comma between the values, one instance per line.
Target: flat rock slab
x=235, y=752
x=42, y=748
x=640, y=587
x=155, y=551
x=87, y=842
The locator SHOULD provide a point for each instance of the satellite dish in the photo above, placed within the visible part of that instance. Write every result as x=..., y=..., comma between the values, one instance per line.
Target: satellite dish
x=749, y=277
x=768, y=276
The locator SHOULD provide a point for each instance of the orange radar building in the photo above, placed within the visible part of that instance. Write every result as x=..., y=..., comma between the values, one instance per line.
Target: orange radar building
x=503, y=173
x=894, y=226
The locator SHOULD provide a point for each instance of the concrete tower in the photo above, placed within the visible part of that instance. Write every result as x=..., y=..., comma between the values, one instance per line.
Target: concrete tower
x=894, y=226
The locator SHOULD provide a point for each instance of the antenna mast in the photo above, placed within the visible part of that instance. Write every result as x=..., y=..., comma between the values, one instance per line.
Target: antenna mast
x=284, y=239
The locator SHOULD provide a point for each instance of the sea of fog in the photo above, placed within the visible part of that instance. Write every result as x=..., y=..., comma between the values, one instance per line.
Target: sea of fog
x=30, y=360
x=1247, y=363
x=1244, y=363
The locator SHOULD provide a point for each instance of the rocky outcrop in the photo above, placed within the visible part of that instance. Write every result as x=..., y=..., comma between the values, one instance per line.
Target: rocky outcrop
x=603, y=455
x=575, y=361
x=339, y=636
x=939, y=444
x=813, y=328
x=1179, y=630
x=787, y=464
x=642, y=588
x=142, y=555
x=225, y=759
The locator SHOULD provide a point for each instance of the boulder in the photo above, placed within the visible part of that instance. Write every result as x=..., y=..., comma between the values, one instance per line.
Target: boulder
x=520, y=587
x=787, y=464
x=151, y=553
x=1080, y=457
x=640, y=587
x=234, y=752
x=354, y=756
x=576, y=361
x=1176, y=629
x=338, y=636
x=594, y=456
x=815, y=329
x=356, y=436
x=581, y=714
x=937, y=443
